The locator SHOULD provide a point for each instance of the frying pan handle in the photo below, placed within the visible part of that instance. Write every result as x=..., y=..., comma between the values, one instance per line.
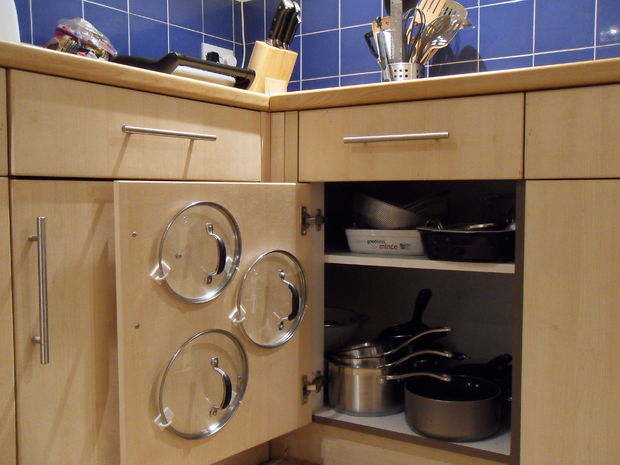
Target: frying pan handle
x=439, y=353
x=221, y=252
x=227, y=386
x=383, y=379
x=294, y=294
x=367, y=37
x=416, y=337
x=424, y=296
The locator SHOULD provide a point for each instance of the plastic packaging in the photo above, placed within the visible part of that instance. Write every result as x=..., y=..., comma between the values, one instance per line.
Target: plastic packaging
x=80, y=37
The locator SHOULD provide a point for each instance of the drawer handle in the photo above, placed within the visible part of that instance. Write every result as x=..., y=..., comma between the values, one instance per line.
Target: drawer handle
x=167, y=133
x=396, y=137
x=43, y=338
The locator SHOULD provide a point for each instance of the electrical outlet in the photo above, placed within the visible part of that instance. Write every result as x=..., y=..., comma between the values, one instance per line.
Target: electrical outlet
x=227, y=56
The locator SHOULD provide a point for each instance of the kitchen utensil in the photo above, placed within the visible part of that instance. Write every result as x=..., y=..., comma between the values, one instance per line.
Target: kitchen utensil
x=369, y=390
x=385, y=241
x=340, y=326
x=444, y=34
x=484, y=242
x=413, y=31
x=413, y=326
x=465, y=409
x=396, y=12
x=368, y=37
x=281, y=17
x=383, y=215
x=291, y=26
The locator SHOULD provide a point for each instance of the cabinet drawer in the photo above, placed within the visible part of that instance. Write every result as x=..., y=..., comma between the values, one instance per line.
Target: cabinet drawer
x=484, y=140
x=4, y=164
x=62, y=127
x=573, y=133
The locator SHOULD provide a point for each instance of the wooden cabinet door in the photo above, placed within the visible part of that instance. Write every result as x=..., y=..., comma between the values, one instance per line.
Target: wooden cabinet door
x=153, y=323
x=570, y=397
x=7, y=382
x=4, y=164
x=67, y=410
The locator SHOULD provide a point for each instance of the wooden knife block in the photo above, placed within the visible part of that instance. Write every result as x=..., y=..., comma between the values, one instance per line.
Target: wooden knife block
x=273, y=67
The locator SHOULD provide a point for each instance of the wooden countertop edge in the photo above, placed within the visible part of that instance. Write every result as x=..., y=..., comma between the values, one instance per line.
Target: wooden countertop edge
x=525, y=79
x=31, y=58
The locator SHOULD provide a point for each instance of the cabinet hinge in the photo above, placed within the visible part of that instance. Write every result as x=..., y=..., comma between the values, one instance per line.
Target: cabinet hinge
x=308, y=220
x=311, y=386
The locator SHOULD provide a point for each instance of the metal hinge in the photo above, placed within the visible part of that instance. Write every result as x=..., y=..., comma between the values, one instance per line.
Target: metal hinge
x=308, y=220
x=311, y=386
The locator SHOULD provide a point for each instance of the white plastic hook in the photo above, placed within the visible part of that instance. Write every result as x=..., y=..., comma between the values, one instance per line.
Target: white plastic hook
x=165, y=420
x=237, y=316
x=158, y=274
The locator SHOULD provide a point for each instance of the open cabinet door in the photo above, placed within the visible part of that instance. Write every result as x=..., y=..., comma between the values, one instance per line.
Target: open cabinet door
x=186, y=286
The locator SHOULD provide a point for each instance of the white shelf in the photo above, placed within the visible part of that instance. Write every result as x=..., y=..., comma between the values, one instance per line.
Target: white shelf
x=496, y=447
x=417, y=262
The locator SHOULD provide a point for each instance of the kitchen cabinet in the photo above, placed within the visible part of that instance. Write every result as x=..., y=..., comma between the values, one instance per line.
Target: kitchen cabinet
x=570, y=376
x=79, y=133
x=4, y=166
x=572, y=133
x=7, y=381
x=459, y=138
x=67, y=409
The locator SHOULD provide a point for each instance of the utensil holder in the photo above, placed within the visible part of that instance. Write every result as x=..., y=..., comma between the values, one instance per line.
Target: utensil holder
x=273, y=67
x=406, y=71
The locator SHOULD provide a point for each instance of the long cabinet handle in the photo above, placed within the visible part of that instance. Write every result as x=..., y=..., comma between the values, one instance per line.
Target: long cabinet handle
x=396, y=137
x=167, y=133
x=43, y=338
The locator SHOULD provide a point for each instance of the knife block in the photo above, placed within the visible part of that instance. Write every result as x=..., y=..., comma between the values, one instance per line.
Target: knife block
x=273, y=67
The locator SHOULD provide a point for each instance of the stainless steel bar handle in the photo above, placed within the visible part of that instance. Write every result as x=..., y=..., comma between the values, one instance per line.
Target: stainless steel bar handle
x=396, y=137
x=167, y=133
x=43, y=338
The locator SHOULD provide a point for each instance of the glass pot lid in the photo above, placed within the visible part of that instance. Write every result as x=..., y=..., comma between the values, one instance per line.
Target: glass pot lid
x=202, y=385
x=272, y=299
x=199, y=252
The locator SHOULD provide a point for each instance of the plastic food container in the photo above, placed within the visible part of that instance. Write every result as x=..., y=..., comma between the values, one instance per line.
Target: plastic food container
x=385, y=241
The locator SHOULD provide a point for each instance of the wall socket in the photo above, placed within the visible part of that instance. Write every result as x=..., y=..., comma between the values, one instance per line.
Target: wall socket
x=227, y=56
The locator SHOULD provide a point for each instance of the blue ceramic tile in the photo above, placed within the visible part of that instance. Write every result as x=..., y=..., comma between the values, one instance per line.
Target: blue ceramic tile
x=239, y=54
x=357, y=79
x=319, y=83
x=295, y=47
x=186, y=13
x=319, y=15
x=294, y=86
x=23, y=17
x=354, y=12
x=506, y=29
x=148, y=38
x=608, y=22
x=120, y=4
x=568, y=56
x=469, y=3
x=356, y=57
x=506, y=63
x=452, y=69
x=570, y=26
x=46, y=15
x=320, y=55
x=185, y=41
x=464, y=46
x=610, y=51
x=112, y=23
x=218, y=18
x=156, y=9
x=492, y=2
x=254, y=21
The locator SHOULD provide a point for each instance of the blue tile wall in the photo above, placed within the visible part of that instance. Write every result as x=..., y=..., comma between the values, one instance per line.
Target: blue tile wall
x=505, y=34
x=149, y=28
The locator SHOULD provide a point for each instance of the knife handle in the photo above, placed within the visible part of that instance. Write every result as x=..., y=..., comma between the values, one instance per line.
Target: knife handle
x=291, y=26
x=278, y=22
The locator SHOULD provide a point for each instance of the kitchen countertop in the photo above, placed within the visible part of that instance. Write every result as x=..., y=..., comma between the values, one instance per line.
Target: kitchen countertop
x=31, y=58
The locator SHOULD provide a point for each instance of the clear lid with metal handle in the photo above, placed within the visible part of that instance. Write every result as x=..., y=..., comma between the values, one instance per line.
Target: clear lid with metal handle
x=203, y=384
x=199, y=252
x=272, y=299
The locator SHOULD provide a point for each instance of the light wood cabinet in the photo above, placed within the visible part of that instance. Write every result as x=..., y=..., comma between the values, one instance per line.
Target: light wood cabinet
x=7, y=381
x=67, y=410
x=4, y=164
x=481, y=138
x=573, y=133
x=67, y=128
x=570, y=398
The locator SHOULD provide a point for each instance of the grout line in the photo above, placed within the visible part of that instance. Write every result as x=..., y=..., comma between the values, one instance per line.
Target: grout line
x=339, y=42
x=595, y=42
x=202, y=17
x=533, y=33
x=31, y=24
x=128, y=29
x=478, y=60
x=168, y=23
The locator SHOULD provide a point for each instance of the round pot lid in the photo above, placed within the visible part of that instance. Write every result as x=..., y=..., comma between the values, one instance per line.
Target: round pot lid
x=199, y=252
x=272, y=299
x=202, y=385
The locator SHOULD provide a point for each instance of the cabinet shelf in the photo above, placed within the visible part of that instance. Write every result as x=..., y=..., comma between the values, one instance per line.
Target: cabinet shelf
x=395, y=427
x=416, y=262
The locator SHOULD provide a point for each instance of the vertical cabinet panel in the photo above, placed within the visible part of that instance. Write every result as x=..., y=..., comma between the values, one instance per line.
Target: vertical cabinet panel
x=153, y=322
x=67, y=410
x=4, y=167
x=570, y=396
x=7, y=383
